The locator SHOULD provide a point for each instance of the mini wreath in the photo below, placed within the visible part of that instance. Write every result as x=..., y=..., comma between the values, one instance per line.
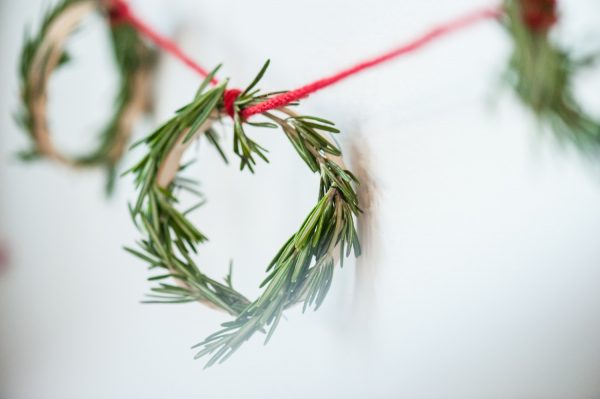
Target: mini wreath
x=302, y=270
x=44, y=52
x=541, y=73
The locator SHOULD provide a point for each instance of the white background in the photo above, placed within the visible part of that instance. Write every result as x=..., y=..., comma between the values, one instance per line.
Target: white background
x=488, y=263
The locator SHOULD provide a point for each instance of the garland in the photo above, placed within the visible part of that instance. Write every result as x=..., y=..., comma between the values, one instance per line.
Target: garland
x=302, y=270
x=44, y=52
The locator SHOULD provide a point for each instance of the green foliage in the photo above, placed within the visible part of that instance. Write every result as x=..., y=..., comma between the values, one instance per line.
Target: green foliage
x=31, y=46
x=170, y=236
x=542, y=74
x=301, y=272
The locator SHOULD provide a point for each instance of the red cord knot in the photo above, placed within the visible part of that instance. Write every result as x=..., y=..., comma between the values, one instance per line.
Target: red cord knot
x=539, y=15
x=118, y=11
x=229, y=98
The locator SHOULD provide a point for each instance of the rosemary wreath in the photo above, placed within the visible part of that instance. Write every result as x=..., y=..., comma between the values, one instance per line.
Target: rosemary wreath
x=302, y=270
x=44, y=52
x=541, y=73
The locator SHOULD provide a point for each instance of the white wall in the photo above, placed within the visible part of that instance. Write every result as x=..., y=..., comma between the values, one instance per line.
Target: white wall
x=487, y=280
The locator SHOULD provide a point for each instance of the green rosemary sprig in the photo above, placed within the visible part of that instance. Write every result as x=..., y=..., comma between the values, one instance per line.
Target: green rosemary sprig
x=135, y=61
x=301, y=272
x=541, y=74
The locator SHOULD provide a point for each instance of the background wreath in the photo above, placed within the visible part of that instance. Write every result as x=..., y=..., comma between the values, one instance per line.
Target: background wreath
x=44, y=52
x=542, y=73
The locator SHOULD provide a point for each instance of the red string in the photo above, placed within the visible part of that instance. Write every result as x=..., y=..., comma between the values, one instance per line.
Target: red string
x=121, y=12
x=229, y=98
x=439, y=31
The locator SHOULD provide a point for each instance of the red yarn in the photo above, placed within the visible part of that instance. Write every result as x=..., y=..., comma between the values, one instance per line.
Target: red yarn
x=117, y=12
x=295, y=95
x=229, y=98
x=124, y=13
x=539, y=15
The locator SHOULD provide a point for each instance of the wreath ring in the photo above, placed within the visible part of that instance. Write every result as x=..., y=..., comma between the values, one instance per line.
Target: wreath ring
x=44, y=53
x=302, y=270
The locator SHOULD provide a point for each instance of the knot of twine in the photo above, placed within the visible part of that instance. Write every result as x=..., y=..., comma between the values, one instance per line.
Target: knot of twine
x=539, y=15
x=229, y=98
x=118, y=12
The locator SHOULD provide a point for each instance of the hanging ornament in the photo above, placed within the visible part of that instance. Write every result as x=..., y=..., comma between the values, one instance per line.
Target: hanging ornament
x=301, y=272
x=542, y=73
x=44, y=52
